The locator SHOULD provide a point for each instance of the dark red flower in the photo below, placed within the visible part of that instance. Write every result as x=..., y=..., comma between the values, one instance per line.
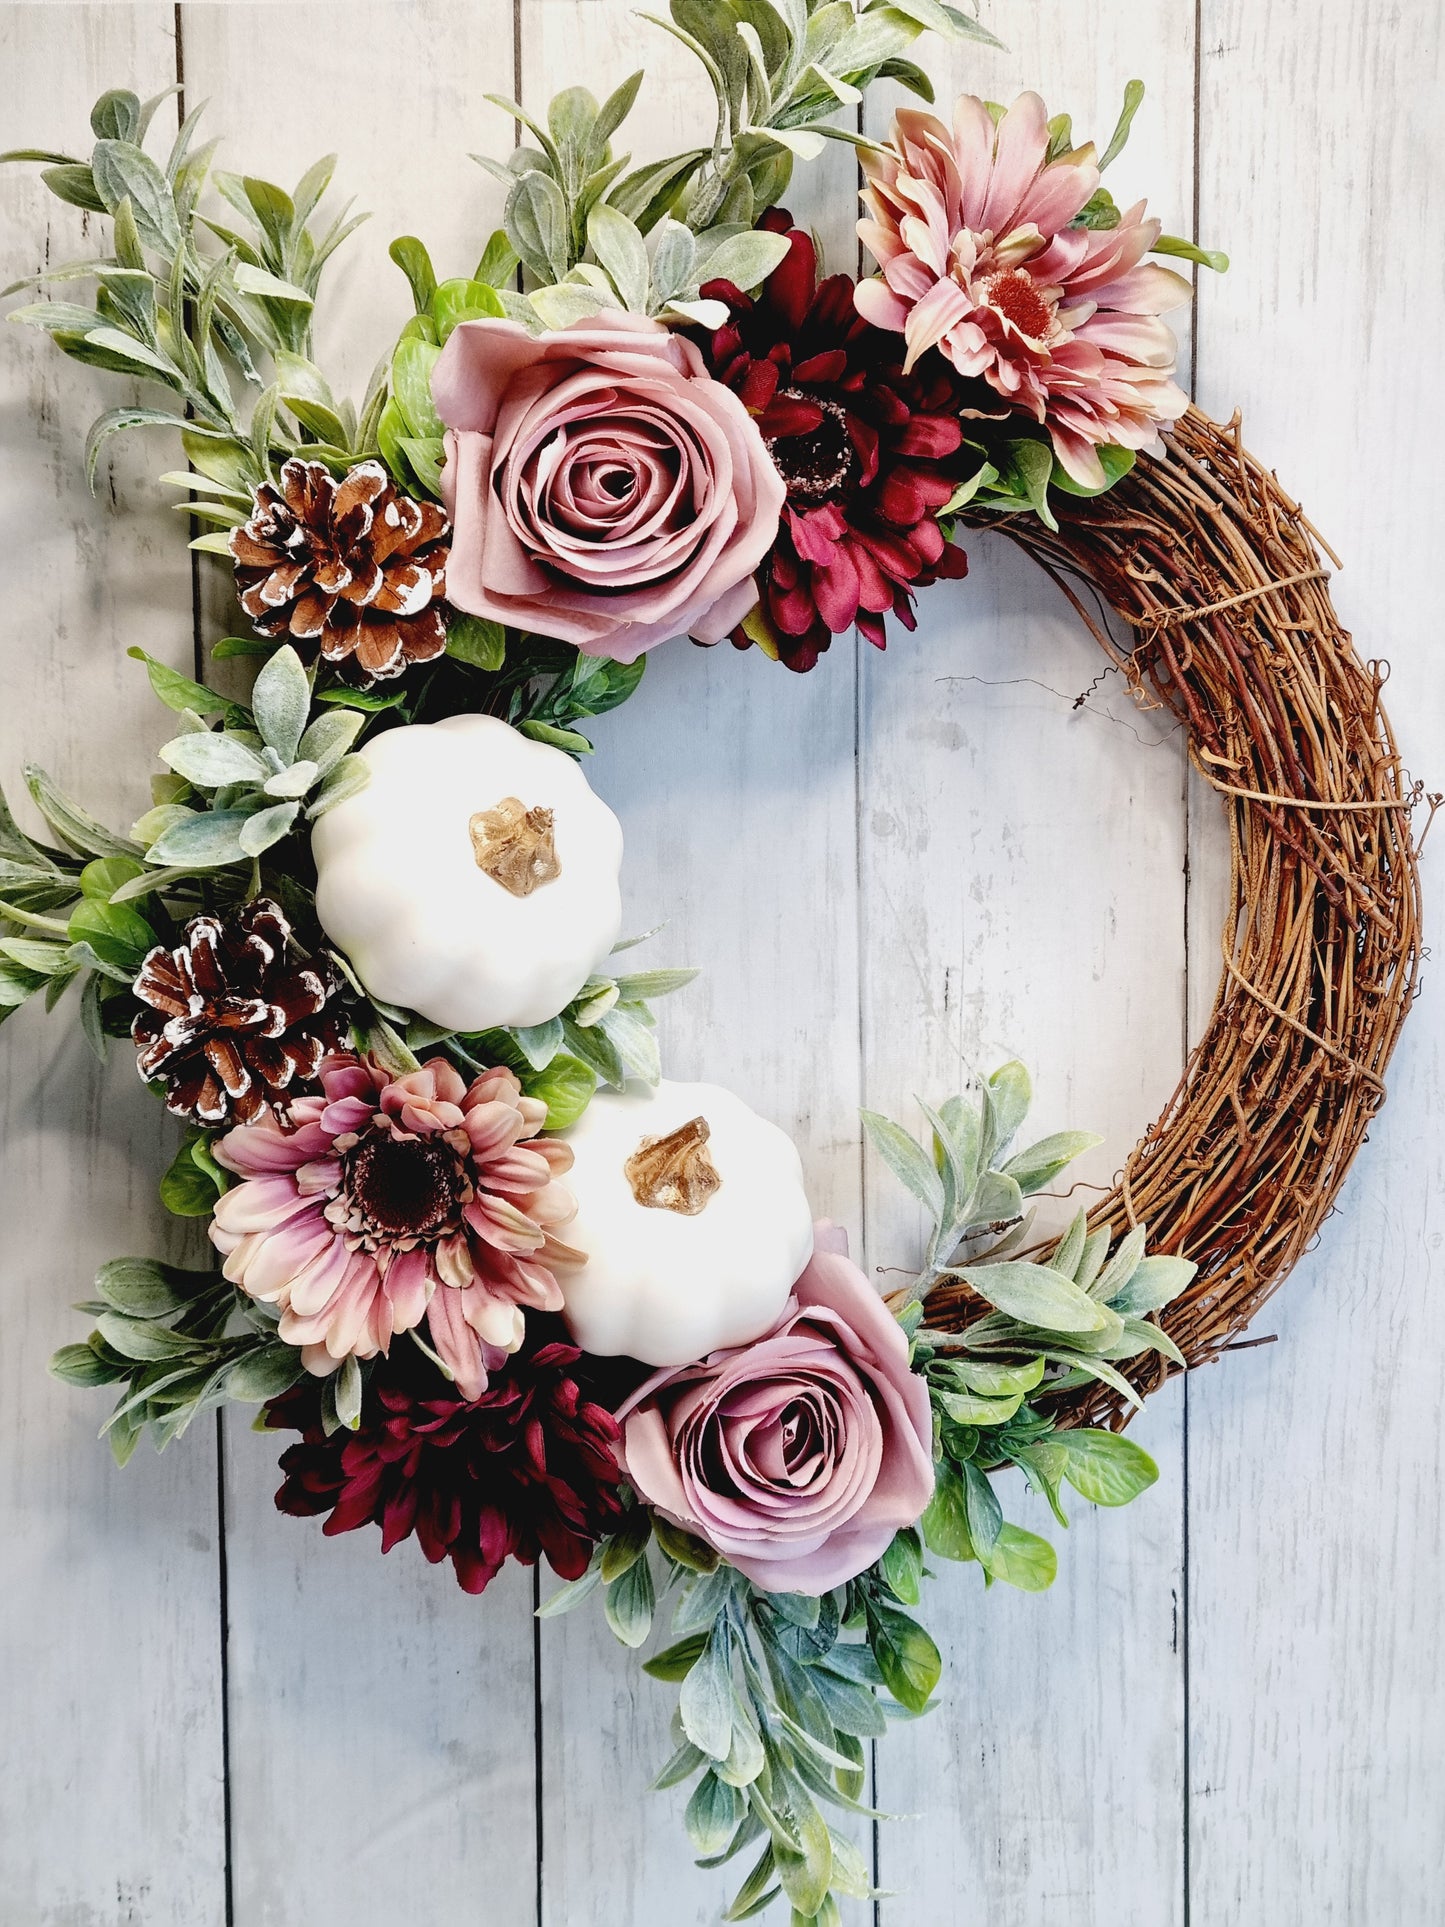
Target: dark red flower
x=869, y=454
x=527, y=1469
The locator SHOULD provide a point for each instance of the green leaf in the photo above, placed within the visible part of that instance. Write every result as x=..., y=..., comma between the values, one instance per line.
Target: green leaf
x=346, y=1392
x=536, y=223
x=145, y=1288
x=745, y=259
x=264, y=1373
x=280, y=702
x=74, y=183
x=461, y=300
x=1009, y=1093
x=649, y=192
x=966, y=1408
x=565, y=1086
x=571, y=1595
x=212, y=761
x=202, y=842
x=187, y=1189
x=945, y=1522
x=618, y=244
x=1023, y=1559
x=629, y=1604
x=1115, y=462
x=567, y=739
x=350, y=776
x=908, y=1161
x=1036, y=1295
x=412, y=258
x=139, y=1338
x=985, y=1517
x=117, y=934
x=998, y=1381
x=328, y=739
x=1155, y=1283
x=1133, y=95
x=80, y=1365
x=705, y=1704
x=498, y=263
x=712, y=1813
x=627, y=1544
x=675, y=1662
x=902, y=1565
x=1106, y=1468
x=411, y=372
x=682, y=1547
x=77, y=830
x=122, y=172
x=265, y=827
x=1174, y=244
x=1041, y=1163
x=477, y=641
x=906, y=1656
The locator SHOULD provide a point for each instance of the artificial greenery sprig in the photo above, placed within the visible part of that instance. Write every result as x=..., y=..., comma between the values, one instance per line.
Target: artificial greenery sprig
x=779, y=1695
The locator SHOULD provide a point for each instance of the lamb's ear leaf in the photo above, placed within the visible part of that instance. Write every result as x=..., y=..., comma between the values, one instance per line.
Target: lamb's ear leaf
x=280, y=702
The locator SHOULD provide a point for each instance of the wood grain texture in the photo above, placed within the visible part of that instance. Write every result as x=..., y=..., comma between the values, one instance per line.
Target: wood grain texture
x=110, y=1715
x=892, y=870
x=381, y=1721
x=1317, y=1775
x=1022, y=868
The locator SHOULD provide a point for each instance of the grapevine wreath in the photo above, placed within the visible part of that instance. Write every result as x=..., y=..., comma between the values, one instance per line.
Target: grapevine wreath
x=499, y=1284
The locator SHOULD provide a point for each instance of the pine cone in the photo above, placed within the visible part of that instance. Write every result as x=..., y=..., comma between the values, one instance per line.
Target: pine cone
x=352, y=566
x=235, y=1017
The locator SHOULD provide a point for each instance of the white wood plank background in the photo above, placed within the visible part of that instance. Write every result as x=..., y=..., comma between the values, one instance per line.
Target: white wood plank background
x=1228, y=1711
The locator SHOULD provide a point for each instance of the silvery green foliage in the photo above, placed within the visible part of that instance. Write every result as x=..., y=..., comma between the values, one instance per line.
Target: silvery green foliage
x=779, y=70
x=1081, y=1311
x=175, y=1343
x=779, y=1695
x=253, y=778
x=173, y=307
x=970, y=1179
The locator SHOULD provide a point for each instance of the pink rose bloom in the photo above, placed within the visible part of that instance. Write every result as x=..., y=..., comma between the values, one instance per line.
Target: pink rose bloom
x=800, y=1455
x=603, y=488
x=381, y=1201
x=971, y=226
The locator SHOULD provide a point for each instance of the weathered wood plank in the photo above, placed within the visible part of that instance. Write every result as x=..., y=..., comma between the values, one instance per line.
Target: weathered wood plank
x=110, y=1718
x=1316, y=1772
x=381, y=1720
x=735, y=784
x=1023, y=894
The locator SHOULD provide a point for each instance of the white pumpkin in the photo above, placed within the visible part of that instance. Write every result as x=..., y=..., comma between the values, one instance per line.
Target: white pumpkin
x=693, y=1217
x=474, y=879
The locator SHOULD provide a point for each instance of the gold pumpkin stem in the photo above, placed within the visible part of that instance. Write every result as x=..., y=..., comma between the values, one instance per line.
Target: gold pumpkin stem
x=514, y=846
x=674, y=1173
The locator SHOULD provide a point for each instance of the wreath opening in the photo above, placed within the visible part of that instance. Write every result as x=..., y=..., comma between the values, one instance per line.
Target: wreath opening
x=519, y=1295
x=1222, y=583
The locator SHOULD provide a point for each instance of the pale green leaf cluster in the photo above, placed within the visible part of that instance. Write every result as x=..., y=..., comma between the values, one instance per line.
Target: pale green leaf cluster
x=240, y=788
x=778, y=1697
x=176, y=1344
x=169, y=308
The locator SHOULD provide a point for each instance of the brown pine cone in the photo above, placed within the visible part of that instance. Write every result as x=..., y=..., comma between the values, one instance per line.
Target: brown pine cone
x=352, y=566
x=236, y=1017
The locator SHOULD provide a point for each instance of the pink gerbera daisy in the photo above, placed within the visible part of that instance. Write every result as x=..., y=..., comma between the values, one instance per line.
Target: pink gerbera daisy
x=972, y=227
x=380, y=1201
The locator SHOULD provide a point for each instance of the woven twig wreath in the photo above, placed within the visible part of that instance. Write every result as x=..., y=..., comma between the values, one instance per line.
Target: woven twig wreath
x=1220, y=576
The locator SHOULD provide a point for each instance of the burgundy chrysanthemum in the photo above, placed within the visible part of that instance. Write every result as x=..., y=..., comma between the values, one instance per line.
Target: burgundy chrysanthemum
x=527, y=1469
x=870, y=455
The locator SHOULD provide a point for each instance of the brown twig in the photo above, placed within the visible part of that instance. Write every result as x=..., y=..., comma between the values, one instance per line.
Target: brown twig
x=1219, y=575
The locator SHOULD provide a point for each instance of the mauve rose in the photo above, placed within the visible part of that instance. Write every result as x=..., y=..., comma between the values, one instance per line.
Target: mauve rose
x=603, y=488
x=800, y=1455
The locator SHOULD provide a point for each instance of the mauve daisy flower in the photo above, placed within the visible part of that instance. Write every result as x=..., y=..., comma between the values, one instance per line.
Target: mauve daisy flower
x=380, y=1201
x=972, y=227
x=869, y=455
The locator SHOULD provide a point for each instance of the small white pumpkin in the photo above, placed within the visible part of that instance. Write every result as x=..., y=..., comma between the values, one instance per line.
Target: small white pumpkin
x=693, y=1216
x=474, y=879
